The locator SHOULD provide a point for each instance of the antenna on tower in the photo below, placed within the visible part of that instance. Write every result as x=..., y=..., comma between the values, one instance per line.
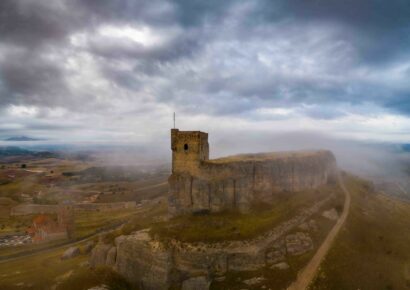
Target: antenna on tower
x=174, y=120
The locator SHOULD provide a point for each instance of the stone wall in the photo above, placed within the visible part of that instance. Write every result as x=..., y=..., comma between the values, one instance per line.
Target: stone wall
x=223, y=184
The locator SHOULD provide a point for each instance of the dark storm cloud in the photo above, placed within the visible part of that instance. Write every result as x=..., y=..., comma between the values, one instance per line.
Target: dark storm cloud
x=25, y=74
x=379, y=28
x=318, y=57
x=31, y=23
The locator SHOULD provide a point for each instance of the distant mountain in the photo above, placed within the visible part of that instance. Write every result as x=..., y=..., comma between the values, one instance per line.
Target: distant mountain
x=14, y=151
x=22, y=138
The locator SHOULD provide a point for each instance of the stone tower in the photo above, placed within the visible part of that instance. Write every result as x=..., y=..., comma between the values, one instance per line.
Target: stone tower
x=189, y=148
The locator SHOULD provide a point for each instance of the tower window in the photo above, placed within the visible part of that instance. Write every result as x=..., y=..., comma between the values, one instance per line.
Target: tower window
x=186, y=147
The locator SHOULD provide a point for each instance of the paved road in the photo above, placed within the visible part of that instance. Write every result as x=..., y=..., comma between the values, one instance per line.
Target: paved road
x=306, y=276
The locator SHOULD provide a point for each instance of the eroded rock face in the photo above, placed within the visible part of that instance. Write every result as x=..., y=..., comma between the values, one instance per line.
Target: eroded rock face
x=215, y=186
x=298, y=243
x=196, y=283
x=246, y=261
x=143, y=261
x=99, y=254
x=111, y=257
x=88, y=247
x=150, y=264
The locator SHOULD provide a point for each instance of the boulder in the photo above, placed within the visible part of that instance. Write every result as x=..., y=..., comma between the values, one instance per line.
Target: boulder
x=196, y=283
x=88, y=247
x=71, y=253
x=298, y=243
x=254, y=281
x=99, y=255
x=331, y=214
x=143, y=261
x=111, y=257
x=275, y=256
x=280, y=266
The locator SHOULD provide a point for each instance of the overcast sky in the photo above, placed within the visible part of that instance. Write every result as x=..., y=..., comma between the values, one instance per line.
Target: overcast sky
x=115, y=71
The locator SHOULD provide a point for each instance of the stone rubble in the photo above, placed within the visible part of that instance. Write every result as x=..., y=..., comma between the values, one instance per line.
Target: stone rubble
x=280, y=266
x=298, y=243
x=71, y=253
x=254, y=281
x=331, y=214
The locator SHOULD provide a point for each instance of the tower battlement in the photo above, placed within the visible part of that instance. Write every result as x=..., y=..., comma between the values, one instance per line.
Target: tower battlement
x=189, y=148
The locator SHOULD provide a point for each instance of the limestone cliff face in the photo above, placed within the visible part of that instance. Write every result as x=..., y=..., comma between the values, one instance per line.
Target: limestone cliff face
x=235, y=182
x=143, y=261
x=151, y=264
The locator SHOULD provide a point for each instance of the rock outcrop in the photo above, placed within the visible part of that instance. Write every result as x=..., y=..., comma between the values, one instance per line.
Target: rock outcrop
x=331, y=214
x=196, y=283
x=71, y=253
x=198, y=184
x=151, y=264
x=143, y=261
x=99, y=254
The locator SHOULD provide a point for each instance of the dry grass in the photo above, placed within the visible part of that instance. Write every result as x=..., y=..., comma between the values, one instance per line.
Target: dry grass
x=373, y=250
x=232, y=225
x=36, y=272
x=265, y=156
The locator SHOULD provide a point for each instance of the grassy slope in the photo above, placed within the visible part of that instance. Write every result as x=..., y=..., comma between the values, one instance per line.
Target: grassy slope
x=373, y=249
x=86, y=223
x=236, y=226
x=43, y=269
x=40, y=270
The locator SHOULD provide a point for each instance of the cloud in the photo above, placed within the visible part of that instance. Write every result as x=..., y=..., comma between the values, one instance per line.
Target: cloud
x=95, y=68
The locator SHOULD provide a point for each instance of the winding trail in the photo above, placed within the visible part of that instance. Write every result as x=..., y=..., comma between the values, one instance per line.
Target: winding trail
x=308, y=273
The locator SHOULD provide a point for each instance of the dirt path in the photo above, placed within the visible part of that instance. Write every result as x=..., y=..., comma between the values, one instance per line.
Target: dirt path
x=308, y=273
x=152, y=186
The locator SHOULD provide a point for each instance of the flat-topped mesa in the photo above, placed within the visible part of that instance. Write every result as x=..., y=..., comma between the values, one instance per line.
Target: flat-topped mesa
x=198, y=184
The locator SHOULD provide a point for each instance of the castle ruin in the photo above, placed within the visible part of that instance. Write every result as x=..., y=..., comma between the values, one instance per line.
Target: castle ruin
x=198, y=184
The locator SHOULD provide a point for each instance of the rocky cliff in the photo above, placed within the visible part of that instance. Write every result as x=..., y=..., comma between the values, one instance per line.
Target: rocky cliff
x=237, y=181
x=151, y=264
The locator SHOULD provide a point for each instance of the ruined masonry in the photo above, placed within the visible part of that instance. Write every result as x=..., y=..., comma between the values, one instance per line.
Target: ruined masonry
x=198, y=184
